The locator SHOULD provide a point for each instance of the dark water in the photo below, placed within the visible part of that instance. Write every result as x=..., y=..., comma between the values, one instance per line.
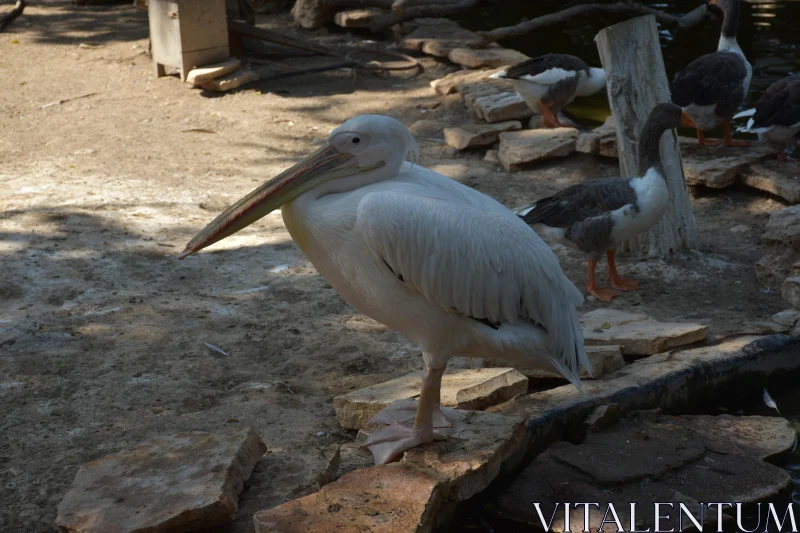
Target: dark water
x=769, y=34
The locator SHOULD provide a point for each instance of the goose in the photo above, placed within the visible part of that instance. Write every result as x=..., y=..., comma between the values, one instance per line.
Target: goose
x=712, y=87
x=596, y=216
x=551, y=82
x=776, y=116
x=451, y=268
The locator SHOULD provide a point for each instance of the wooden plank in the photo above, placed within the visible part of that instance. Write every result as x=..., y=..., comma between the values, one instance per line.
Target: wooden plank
x=231, y=81
x=242, y=28
x=636, y=82
x=211, y=72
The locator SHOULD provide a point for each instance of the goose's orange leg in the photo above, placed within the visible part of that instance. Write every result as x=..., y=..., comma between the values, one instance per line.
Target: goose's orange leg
x=729, y=137
x=550, y=119
x=604, y=294
x=701, y=137
x=613, y=276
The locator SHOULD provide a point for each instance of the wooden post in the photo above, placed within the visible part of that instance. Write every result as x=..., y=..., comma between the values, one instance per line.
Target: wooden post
x=636, y=82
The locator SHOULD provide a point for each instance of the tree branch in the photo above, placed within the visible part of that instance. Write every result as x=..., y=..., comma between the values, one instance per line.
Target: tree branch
x=692, y=18
x=9, y=17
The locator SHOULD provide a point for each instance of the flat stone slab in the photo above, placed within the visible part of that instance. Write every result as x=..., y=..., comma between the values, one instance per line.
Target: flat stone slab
x=165, y=484
x=476, y=135
x=775, y=177
x=762, y=437
x=382, y=499
x=449, y=84
x=782, y=248
x=477, y=448
x=438, y=37
x=494, y=101
x=521, y=148
x=788, y=318
x=630, y=451
x=600, y=141
x=603, y=359
x=462, y=388
x=645, y=458
x=790, y=291
x=485, y=57
x=674, y=380
x=638, y=334
x=717, y=167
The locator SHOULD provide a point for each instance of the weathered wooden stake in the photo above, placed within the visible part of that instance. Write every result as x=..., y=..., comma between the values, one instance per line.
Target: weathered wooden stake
x=636, y=82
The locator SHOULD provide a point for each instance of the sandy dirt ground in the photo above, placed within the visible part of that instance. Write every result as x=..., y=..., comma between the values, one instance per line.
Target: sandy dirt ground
x=103, y=331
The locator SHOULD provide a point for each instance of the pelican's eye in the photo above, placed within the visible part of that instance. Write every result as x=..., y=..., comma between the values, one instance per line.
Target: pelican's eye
x=356, y=140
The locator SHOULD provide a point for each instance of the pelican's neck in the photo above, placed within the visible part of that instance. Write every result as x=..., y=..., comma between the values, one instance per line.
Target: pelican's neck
x=591, y=83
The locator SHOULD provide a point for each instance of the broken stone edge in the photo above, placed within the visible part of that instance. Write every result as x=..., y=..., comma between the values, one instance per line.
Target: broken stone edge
x=748, y=369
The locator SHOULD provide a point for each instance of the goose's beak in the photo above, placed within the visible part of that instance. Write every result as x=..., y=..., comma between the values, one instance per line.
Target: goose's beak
x=324, y=164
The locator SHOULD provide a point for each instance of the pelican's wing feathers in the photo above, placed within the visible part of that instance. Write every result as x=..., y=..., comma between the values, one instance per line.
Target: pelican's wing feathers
x=483, y=262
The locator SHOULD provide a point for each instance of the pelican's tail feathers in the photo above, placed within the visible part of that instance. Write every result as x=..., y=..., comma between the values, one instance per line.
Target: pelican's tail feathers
x=566, y=337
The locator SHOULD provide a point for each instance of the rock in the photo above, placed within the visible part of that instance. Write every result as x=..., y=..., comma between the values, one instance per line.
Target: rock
x=789, y=317
x=494, y=101
x=790, y=291
x=382, y=499
x=536, y=122
x=774, y=177
x=478, y=447
x=628, y=451
x=475, y=135
x=426, y=128
x=438, y=38
x=588, y=143
x=313, y=14
x=741, y=228
x=359, y=18
x=463, y=388
x=491, y=156
x=165, y=484
x=521, y=148
x=763, y=437
x=638, y=334
x=449, y=84
x=485, y=57
x=603, y=359
x=717, y=168
x=327, y=462
x=782, y=242
x=643, y=459
x=604, y=416
x=675, y=380
x=731, y=477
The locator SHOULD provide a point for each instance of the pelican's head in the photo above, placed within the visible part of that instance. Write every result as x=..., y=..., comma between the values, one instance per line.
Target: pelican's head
x=367, y=143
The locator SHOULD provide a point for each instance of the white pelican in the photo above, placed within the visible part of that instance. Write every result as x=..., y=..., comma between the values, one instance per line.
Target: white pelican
x=599, y=215
x=712, y=87
x=450, y=268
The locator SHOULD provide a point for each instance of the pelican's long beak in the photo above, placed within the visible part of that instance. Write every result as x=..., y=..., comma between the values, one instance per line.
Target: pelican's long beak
x=319, y=167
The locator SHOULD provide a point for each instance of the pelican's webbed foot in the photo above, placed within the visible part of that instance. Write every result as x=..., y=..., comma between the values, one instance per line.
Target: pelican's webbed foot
x=390, y=442
x=404, y=412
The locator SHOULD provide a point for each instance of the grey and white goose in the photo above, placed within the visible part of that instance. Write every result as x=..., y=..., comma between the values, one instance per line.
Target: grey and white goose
x=596, y=216
x=713, y=86
x=776, y=116
x=551, y=82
